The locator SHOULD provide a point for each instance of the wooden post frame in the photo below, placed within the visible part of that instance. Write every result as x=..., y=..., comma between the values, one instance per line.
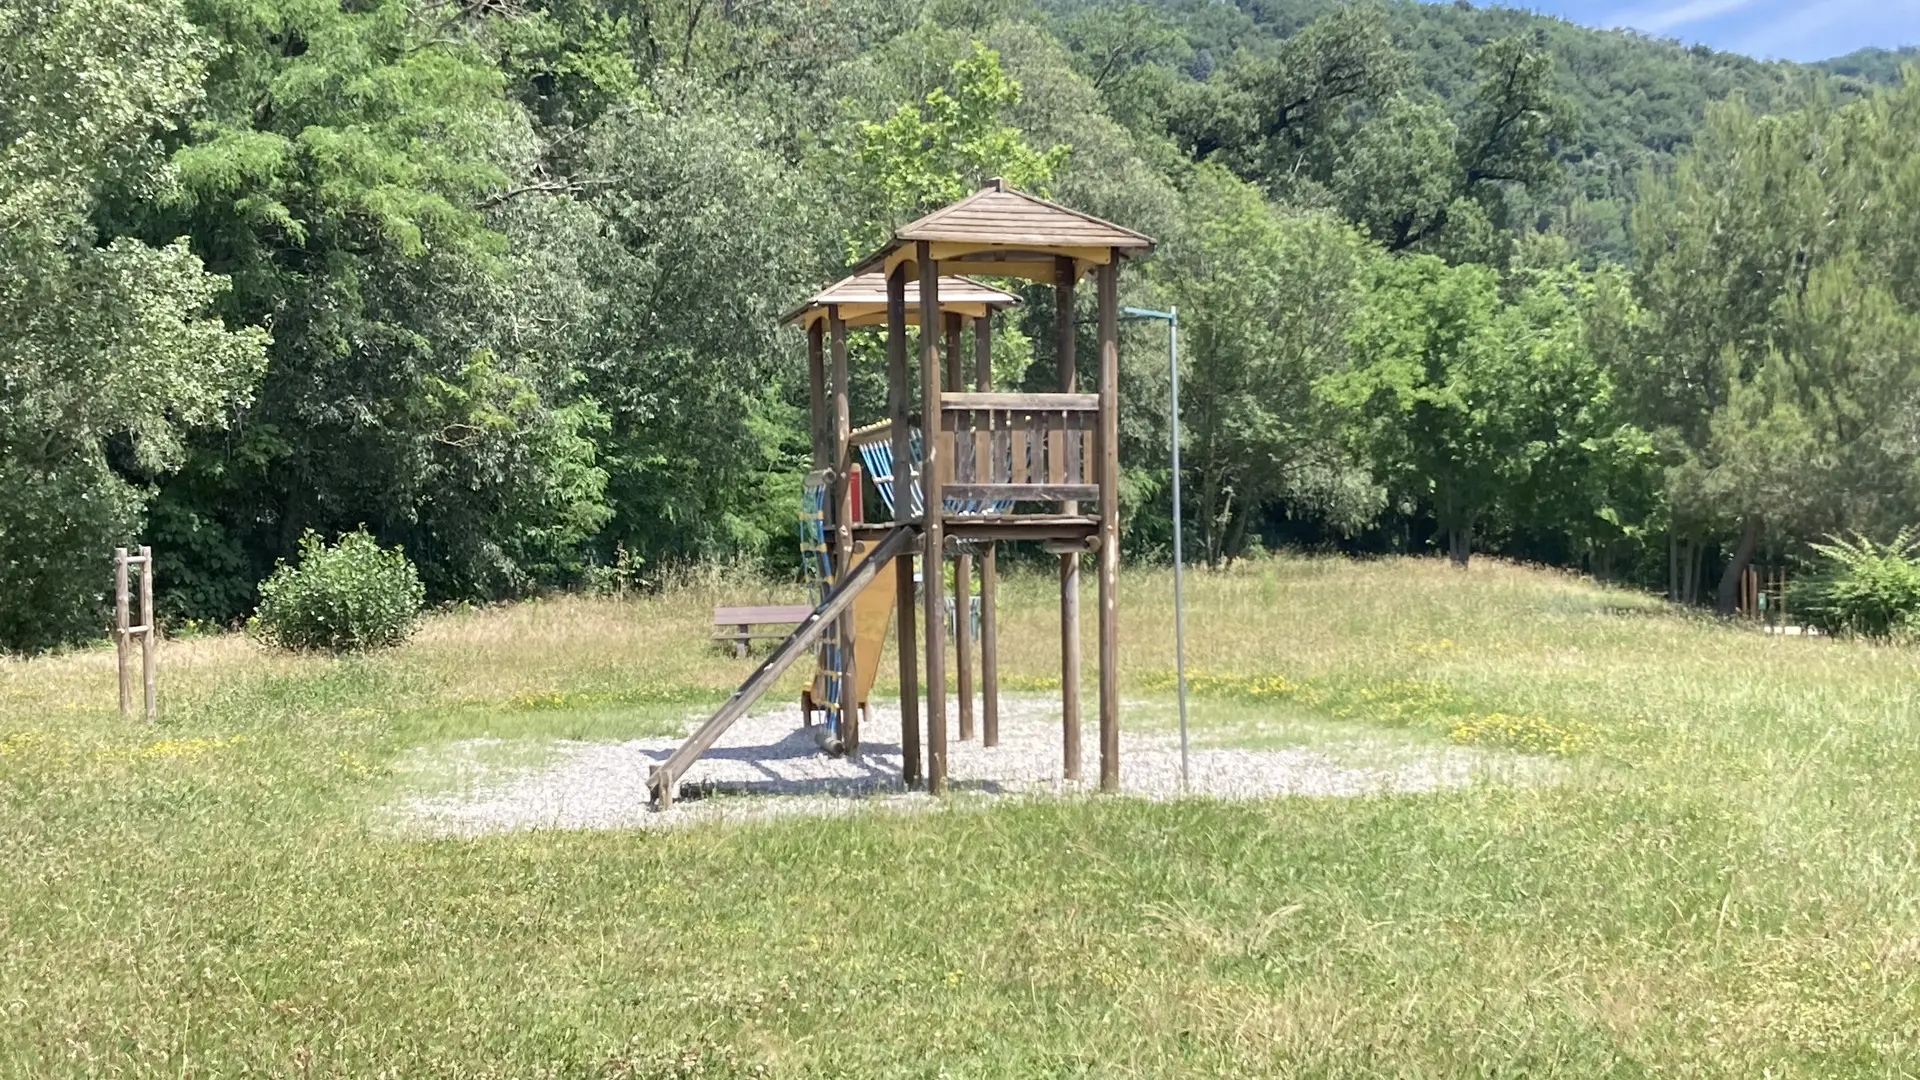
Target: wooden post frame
x=968, y=464
x=817, y=392
x=962, y=562
x=1107, y=280
x=127, y=629
x=902, y=508
x=122, y=622
x=1065, y=273
x=989, y=563
x=843, y=481
x=932, y=572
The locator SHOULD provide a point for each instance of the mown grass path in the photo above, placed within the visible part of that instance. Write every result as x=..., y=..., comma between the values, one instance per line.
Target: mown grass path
x=1722, y=881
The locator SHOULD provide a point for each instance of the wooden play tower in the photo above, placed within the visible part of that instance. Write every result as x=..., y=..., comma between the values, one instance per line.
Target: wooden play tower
x=962, y=468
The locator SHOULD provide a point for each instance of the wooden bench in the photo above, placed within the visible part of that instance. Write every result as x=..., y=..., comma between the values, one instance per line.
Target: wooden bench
x=739, y=623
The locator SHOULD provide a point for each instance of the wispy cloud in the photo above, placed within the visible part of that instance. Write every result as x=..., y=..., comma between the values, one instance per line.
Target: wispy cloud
x=1661, y=19
x=1782, y=36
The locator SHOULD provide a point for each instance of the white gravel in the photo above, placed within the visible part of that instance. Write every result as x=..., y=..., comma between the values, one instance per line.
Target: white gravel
x=767, y=765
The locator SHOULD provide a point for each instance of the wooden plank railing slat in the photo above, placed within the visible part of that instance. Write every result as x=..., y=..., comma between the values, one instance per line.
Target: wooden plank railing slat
x=983, y=456
x=1022, y=446
x=1076, y=403
x=1025, y=492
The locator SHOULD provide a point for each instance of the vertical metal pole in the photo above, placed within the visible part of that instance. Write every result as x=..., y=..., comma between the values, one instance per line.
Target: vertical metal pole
x=1179, y=556
x=1107, y=281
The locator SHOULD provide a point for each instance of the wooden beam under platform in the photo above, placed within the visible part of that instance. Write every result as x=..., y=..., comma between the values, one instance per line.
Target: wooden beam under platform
x=1021, y=527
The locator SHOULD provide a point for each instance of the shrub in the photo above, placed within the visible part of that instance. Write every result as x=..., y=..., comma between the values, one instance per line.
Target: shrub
x=347, y=597
x=1866, y=588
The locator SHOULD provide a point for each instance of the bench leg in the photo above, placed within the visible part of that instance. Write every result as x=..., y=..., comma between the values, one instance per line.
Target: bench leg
x=740, y=643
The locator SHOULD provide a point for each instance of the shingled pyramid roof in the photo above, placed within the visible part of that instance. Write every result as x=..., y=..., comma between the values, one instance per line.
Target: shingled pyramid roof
x=862, y=299
x=998, y=231
x=997, y=214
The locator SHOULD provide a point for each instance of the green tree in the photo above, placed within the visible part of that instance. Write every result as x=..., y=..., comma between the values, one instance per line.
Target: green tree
x=928, y=154
x=343, y=173
x=1433, y=382
x=1488, y=403
x=108, y=353
x=1130, y=54
x=1331, y=116
x=1592, y=479
x=697, y=244
x=1276, y=117
x=1418, y=181
x=1265, y=297
x=1777, y=268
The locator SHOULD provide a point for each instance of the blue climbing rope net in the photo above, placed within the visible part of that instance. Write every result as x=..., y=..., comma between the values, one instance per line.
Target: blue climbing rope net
x=878, y=456
x=816, y=554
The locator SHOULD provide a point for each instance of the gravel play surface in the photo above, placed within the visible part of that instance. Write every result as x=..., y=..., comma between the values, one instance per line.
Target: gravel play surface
x=767, y=765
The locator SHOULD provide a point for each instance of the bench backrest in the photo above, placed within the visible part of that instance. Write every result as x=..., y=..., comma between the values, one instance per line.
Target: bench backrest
x=760, y=614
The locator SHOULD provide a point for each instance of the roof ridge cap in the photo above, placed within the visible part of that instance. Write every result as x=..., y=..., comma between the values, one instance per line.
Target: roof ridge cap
x=998, y=187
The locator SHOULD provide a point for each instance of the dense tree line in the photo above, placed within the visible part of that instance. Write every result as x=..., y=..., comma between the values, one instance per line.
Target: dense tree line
x=1873, y=64
x=500, y=281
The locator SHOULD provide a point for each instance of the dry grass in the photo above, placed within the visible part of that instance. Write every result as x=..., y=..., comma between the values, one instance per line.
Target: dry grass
x=1723, y=884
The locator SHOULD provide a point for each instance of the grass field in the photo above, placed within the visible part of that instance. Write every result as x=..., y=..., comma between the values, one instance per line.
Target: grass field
x=1720, y=881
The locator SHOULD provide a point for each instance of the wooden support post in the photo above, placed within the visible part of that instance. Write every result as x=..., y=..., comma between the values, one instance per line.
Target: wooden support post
x=843, y=481
x=989, y=561
x=149, y=655
x=1065, y=273
x=902, y=509
x=1109, y=468
x=122, y=622
x=962, y=564
x=817, y=391
x=932, y=573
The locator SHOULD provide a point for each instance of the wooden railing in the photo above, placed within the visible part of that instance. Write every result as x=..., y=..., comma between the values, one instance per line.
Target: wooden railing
x=1021, y=447
x=1004, y=448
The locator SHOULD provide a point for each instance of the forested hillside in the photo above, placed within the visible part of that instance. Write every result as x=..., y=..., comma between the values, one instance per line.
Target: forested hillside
x=1873, y=65
x=500, y=281
x=1634, y=100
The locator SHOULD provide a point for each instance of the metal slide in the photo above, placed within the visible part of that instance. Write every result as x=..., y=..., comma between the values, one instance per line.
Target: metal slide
x=666, y=778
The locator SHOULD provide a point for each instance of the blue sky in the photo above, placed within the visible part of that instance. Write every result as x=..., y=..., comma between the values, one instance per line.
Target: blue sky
x=1785, y=29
